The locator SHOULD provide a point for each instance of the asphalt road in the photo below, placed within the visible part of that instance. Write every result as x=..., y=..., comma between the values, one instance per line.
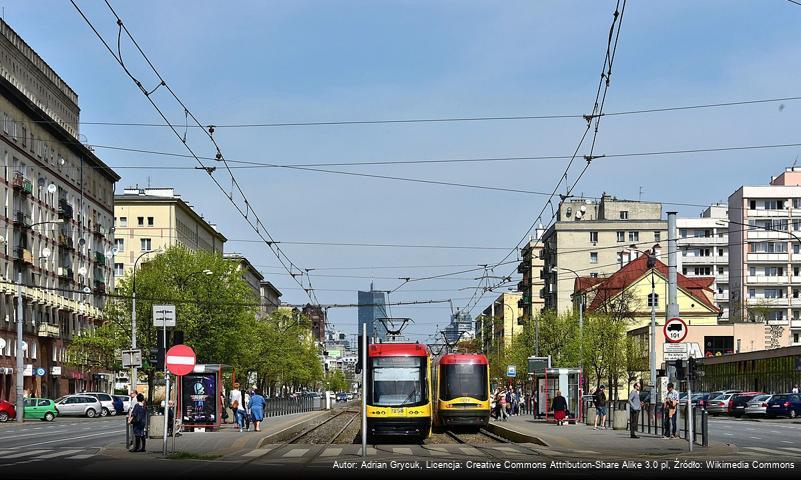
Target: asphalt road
x=781, y=437
x=73, y=432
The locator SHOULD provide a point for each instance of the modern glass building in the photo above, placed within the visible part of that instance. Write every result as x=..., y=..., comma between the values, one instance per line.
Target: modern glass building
x=771, y=371
x=461, y=326
x=372, y=306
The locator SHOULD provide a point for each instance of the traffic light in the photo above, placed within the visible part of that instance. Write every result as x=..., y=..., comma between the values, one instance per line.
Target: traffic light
x=681, y=373
x=177, y=337
x=157, y=358
x=691, y=367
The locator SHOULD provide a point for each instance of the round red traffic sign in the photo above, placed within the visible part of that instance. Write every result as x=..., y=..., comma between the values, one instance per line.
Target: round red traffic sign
x=180, y=360
x=675, y=330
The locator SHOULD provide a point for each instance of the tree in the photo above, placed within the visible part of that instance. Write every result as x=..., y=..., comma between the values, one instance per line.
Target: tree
x=335, y=381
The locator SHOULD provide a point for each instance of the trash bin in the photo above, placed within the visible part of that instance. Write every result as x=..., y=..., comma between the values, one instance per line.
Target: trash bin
x=590, y=418
x=620, y=420
x=155, y=426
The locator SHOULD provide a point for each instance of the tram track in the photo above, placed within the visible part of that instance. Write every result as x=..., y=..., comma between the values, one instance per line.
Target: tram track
x=328, y=431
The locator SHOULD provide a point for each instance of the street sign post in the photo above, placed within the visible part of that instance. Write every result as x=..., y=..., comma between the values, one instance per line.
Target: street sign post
x=131, y=358
x=511, y=371
x=179, y=360
x=675, y=330
x=164, y=315
x=676, y=351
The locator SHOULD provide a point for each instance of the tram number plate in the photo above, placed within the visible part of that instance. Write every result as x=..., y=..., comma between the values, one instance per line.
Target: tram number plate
x=397, y=411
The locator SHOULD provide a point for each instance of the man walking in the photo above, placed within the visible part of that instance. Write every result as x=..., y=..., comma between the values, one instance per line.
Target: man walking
x=634, y=409
x=669, y=409
x=599, y=399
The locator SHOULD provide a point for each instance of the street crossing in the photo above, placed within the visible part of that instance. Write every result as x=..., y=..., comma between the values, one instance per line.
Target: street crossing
x=12, y=456
x=783, y=451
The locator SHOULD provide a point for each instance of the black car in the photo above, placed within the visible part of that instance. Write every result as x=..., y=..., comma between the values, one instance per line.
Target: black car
x=740, y=401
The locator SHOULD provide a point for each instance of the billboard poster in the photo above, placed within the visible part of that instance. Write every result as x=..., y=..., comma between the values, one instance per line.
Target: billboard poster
x=199, y=399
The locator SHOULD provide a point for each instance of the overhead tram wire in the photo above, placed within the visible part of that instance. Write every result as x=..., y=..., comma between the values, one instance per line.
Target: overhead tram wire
x=268, y=240
x=446, y=119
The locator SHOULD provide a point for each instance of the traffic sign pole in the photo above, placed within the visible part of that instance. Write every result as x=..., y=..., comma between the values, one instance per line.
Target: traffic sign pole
x=166, y=389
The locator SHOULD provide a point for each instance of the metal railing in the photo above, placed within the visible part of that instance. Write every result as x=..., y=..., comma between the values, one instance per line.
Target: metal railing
x=651, y=420
x=287, y=406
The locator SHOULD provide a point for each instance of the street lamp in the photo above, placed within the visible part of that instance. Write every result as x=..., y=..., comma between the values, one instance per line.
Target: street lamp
x=134, y=369
x=651, y=264
x=20, y=403
x=581, y=319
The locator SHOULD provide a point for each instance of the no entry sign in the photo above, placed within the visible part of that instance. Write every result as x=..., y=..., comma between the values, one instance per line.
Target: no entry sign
x=180, y=360
x=675, y=330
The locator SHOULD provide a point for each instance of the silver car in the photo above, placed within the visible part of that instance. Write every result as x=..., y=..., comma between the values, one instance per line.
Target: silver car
x=719, y=404
x=757, y=405
x=106, y=400
x=79, y=405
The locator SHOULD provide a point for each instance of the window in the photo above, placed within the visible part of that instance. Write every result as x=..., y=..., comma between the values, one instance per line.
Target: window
x=702, y=271
x=621, y=236
x=593, y=257
x=653, y=299
x=594, y=237
x=119, y=243
x=752, y=205
x=683, y=233
x=634, y=236
x=624, y=214
x=751, y=293
x=721, y=271
x=145, y=244
x=657, y=236
x=703, y=252
x=149, y=221
x=774, y=293
x=774, y=271
x=123, y=221
x=720, y=252
x=140, y=221
x=119, y=270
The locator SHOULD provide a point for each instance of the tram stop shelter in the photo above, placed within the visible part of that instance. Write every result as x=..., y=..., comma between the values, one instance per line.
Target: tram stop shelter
x=568, y=381
x=199, y=397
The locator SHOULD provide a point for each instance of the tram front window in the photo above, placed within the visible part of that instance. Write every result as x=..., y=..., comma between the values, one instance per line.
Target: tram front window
x=397, y=381
x=463, y=381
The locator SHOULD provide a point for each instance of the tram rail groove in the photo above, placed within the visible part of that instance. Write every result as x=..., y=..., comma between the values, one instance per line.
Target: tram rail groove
x=342, y=430
x=317, y=427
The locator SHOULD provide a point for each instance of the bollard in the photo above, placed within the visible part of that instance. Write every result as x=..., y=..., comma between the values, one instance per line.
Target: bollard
x=705, y=427
x=589, y=419
x=620, y=420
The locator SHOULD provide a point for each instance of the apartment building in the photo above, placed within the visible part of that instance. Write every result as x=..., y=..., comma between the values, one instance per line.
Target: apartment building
x=594, y=238
x=532, y=285
x=152, y=218
x=55, y=227
x=500, y=322
x=270, y=297
x=703, y=244
x=765, y=257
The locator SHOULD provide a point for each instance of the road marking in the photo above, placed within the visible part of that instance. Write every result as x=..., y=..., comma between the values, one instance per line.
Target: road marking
x=59, y=454
x=81, y=457
x=70, y=439
x=331, y=452
x=437, y=451
x=296, y=452
x=756, y=438
x=26, y=454
x=792, y=449
x=769, y=451
x=257, y=452
x=470, y=451
x=402, y=450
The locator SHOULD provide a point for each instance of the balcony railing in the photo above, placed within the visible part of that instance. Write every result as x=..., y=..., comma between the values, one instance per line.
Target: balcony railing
x=64, y=210
x=47, y=330
x=65, y=273
x=100, y=258
x=765, y=280
x=24, y=255
x=22, y=220
x=65, y=242
x=767, y=257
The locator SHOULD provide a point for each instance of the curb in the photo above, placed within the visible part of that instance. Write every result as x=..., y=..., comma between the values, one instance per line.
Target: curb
x=288, y=432
x=514, y=435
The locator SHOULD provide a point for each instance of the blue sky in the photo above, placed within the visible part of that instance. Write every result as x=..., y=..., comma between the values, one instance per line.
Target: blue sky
x=298, y=61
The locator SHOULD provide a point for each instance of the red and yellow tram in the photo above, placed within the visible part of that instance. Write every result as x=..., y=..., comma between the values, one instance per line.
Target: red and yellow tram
x=399, y=389
x=463, y=390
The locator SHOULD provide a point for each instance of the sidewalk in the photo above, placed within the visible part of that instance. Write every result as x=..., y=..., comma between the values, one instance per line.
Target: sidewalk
x=582, y=439
x=227, y=440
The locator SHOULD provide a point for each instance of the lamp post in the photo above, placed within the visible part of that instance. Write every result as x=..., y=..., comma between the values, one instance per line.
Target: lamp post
x=651, y=263
x=581, y=321
x=134, y=369
x=20, y=403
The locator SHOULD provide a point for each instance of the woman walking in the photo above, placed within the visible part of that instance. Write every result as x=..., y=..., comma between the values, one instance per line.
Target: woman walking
x=137, y=420
x=559, y=407
x=258, y=406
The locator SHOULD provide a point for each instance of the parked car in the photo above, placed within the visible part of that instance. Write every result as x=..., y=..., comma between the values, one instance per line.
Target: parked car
x=79, y=405
x=786, y=405
x=106, y=402
x=342, y=397
x=7, y=411
x=738, y=403
x=696, y=396
x=350, y=395
x=700, y=399
x=40, y=408
x=720, y=404
x=757, y=405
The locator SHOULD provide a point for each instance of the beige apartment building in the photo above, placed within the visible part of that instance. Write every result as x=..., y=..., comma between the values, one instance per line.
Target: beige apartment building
x=55, y=226
x=498, y=324
x=765, y=257
x=593, y=238
x=532, y=285
x=153, y=218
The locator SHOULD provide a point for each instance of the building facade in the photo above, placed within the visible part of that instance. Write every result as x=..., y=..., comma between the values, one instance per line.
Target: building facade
x=460, y=328
x=56, y=226
x=593, y=238
x=372, y=306
x=270, y=297
x=317, y=316
x=532, y=286
x=499, y=323
x=703, y=244
x=152, y=218
x=765, y=257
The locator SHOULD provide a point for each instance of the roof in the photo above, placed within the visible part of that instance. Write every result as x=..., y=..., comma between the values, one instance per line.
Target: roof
x=636, y=269
x=398, y=350
x=584, y=283
x=463, y=359
x=128, y=199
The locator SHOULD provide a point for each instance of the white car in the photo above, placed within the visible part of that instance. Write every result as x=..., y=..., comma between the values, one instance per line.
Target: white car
x=78, y=405
x=106, y=402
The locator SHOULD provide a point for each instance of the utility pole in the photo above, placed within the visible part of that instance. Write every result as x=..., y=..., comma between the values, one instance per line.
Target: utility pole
x=364, y=389
x=20, y=360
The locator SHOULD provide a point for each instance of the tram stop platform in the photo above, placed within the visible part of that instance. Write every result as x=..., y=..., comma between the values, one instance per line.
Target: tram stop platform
x=580, y=440
x=227, y=440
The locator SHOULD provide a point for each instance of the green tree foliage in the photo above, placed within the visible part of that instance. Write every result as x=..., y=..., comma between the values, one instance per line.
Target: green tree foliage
x=336, y=382
x=559, y=338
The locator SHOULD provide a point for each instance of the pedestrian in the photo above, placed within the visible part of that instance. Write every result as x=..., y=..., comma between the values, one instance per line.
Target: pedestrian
x=137, y=419
x=502, y=401
x=795, y=389
x=117, y=404
x=170, y=417
x=246, y=399
x=599, y=400
x=669, y=412
x=258, y=407
x=559, y=407
x=224, y=408
x=237, y=405
x=634, y=409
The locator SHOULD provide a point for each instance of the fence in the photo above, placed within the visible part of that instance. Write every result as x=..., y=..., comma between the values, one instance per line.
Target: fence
x=651, y=420
x=286, y=406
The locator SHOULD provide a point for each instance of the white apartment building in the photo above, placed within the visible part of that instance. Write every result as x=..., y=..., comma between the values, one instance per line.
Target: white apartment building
x=704, y=251
x=765, y=257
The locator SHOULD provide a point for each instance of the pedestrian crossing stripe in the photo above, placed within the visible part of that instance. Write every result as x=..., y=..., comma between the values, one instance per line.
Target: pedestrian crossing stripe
x=331, y=452
x=29, y=453
x=402, y=450
x=257, y=452
x=772, y=451
x=63, y=453
x=296, y=452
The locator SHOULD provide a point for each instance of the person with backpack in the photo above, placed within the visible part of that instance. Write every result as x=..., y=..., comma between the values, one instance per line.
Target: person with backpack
x=138, y=420
x=599, y=401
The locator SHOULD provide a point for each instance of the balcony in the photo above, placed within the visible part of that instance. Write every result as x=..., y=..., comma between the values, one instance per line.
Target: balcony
x=767, y=257
x=712, y=240
x=22, y=183
x=768, y=302
x=100, y=258
x=99, y=230
x=795, y=302
x=65, y=273
x=722, y=297
x=22, y=220
x=24, y=255
x=47, y=330
x=768, y=213
x=795, y=323
x=64, y=210
x=521, y=267
x=763, y=280
x=697, y=260
x=767, y=235
x=722, y=277
x=65, y=242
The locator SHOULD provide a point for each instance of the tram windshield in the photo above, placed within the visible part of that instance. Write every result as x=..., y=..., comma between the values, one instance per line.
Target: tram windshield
x=463, y=381
x=397, y=381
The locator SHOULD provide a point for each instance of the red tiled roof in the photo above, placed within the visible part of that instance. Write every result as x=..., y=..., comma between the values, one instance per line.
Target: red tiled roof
x=583, y=283
x=632, y=271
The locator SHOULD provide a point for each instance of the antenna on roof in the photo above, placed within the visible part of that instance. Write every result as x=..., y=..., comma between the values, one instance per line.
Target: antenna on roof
x=795, y=161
